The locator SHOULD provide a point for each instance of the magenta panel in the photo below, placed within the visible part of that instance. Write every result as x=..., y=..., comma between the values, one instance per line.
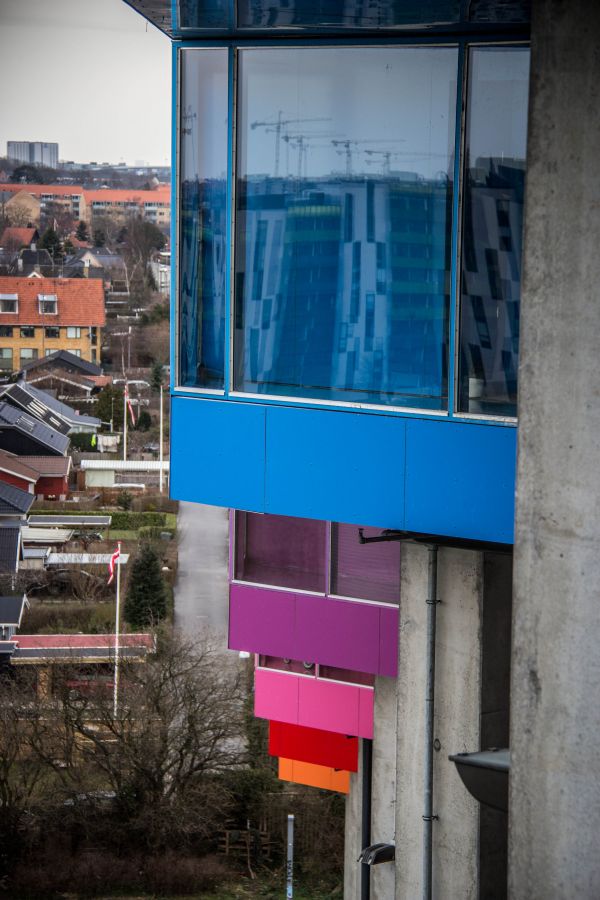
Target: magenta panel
x=261, y=621
x=320, y=629
x=341, y=708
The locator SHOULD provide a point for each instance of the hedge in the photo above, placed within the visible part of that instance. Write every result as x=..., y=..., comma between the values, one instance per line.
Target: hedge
x=127, y=520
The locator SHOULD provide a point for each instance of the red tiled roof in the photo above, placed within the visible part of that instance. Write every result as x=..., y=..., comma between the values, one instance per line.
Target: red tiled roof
x=79, y=641
x=37, y=189
x=17, y=236
x=162, y=194
x=100, y=380
x=13, y=464
x=80, y=301
x=48, y=466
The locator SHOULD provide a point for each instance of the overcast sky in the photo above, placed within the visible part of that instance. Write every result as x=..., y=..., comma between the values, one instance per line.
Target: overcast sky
x=89, y=74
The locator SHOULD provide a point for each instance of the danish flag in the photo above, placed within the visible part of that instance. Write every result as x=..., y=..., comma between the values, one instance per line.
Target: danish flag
x=112, y=563
x=129, y=404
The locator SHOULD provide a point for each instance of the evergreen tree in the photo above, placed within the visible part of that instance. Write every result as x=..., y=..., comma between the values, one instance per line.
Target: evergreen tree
x=82, y=233
x=50, y=241
x=146, y=601
x=99, y=238
x=110, y=406
x=157, y=376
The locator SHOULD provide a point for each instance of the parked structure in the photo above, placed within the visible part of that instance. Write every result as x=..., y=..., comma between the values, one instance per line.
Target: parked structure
x=350, y=336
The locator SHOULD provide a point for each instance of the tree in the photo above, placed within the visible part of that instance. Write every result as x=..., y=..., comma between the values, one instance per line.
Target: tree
x=32, y=174
x=82, y=233
x=99, y=237
x=109, y=406
x=50, y=241
x=144, y=421
x=157, y=376
x=146, y=601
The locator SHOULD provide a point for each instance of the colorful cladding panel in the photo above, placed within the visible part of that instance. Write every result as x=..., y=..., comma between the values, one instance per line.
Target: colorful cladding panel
x=313, y=745
x=334, y=632
x=302, y=700
x=314, y=776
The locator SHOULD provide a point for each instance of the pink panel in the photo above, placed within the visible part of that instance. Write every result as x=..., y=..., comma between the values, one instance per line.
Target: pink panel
x=366, y=712
x=335, y=707
x=276, y=696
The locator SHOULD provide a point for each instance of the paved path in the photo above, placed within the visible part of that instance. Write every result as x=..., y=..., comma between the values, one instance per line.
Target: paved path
x=201, y=588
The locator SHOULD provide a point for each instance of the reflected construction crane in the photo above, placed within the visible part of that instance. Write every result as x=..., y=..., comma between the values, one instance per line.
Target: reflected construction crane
x=302, y=142
x=278, y=127
x=350, y=148
x=386, y=157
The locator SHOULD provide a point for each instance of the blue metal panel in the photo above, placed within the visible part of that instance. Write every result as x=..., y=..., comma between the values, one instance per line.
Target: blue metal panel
x=460, y=480
x=217, y=453
x=346, y=467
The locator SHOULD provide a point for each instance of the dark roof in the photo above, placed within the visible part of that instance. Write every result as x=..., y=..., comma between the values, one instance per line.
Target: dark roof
x=14, y=501
x=48, y=466
x=65, y=358
x=45, y=407
x=14, y=465
x=11, y=610
x=10, y=541
x=34, y=431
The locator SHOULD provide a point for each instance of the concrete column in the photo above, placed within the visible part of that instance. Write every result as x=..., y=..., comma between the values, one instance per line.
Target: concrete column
x=352, y=835
x=554, y=818
x=457, y=723
x=383, y=784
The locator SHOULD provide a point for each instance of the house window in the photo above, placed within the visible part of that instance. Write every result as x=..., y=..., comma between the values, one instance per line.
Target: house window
x=48, y=304
x=53, y=331
x=9, y=303
x=73, y=332
x=6, y=359
x=28, y=353
x=27, y=331
x=6, y=331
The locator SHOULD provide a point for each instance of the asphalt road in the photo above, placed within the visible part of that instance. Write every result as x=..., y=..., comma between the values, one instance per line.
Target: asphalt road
x=201, y=591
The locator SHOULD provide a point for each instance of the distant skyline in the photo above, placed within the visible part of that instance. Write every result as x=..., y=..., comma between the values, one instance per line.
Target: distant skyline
x=91, y=75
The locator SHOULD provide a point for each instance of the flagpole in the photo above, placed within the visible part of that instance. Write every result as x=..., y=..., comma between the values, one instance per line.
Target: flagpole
x=125, y=411
x=117, y=623
x=160, y=441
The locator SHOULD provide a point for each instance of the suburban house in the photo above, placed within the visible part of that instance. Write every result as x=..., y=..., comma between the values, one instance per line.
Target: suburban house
x=14, y=238
x=39, y=316
x=10, y=546
x=11, y=613
x=43, y=406
x=52, y=475
x=24, y=435
x=15, y=503
x=99, y=262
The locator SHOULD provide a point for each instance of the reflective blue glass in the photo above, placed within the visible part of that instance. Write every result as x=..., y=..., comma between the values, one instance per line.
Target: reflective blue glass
x=493, y=230
x=202, y=217
x=344, y=196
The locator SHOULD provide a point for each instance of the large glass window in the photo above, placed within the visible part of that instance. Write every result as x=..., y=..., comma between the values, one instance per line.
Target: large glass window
x=280, y=550
x=493, y=229
x=344, y=195
x=368, y=571
x=202, y=217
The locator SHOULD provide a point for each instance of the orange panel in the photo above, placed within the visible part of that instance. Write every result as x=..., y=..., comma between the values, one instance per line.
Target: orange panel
x=314, y=776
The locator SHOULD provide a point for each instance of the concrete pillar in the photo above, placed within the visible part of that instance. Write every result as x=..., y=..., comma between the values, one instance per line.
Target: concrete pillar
x=383, y=784
x=457, y=723
x=555, y=710
x=352, y=834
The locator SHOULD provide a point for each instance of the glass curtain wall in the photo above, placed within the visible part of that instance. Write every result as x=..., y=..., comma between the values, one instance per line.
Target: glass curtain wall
x=494, y=186
x=202, y=217
x=343, y=223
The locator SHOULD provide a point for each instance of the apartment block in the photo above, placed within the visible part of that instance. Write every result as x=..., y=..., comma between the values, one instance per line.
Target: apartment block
x=384, y=362
x=35, y=153
x=40, y=316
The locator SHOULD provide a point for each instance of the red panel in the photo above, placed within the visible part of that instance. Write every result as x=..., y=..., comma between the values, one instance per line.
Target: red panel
x=312, y=745
x=9, y=478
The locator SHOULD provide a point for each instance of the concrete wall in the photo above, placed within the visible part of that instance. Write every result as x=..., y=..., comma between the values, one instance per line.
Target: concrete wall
x=383, y=783
x=352, y=836
x=457, y=723
x=555, y=713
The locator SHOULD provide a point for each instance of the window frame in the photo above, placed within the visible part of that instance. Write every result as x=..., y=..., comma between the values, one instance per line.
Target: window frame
x=463, y=45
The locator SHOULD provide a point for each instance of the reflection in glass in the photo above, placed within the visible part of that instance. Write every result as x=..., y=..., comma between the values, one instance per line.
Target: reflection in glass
x=280, y=550
x=202, y=218
x=367, y=571
x=344, y=198
x=493, y=230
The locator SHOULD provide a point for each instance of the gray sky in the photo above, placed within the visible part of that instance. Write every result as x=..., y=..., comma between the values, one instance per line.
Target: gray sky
x=90, y=74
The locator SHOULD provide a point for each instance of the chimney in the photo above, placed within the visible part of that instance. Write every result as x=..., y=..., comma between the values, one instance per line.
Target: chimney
x=86, y=268
x=20, y=264
x=33, y=246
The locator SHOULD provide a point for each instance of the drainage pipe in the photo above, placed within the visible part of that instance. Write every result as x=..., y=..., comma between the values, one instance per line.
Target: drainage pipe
x=428, y=816
x=365, y=836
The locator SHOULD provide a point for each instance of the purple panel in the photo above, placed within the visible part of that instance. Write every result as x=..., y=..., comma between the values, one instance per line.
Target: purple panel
x=337, y=633
x=261, y=621
x=389, y=622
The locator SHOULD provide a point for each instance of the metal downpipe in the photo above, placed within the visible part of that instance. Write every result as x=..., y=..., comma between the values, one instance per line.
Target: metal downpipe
x=367, y=765
x=428, y=816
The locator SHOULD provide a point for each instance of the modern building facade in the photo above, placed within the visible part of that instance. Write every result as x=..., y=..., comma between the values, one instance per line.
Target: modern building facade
x=35, y=153
x=384, y=287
